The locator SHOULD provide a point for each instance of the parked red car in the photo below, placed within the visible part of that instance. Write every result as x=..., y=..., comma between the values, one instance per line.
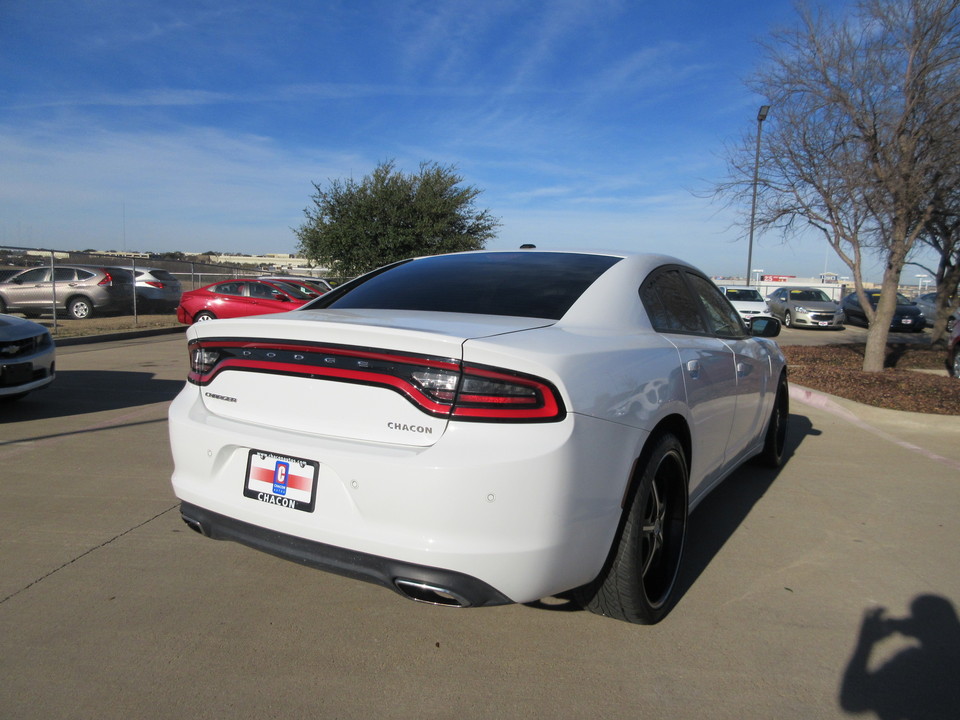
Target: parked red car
x=237, y=298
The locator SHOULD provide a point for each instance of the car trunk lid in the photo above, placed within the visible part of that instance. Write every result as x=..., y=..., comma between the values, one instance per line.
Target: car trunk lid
x=369, y=375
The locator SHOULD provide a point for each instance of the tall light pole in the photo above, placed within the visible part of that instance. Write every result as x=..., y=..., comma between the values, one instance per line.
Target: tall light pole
x=761, y=116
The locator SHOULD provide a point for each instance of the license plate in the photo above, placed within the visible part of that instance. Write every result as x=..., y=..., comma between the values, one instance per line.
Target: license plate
x=17, y=374
x=907, y=321
x=823, y=323
x=280, y=480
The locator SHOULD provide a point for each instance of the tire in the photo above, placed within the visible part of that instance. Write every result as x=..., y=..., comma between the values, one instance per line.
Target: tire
x=3, y=307
x=80, y=308
x=787, y=319
x=637, y=581
x=203, y=316
x=776, y=438
x=955, y=363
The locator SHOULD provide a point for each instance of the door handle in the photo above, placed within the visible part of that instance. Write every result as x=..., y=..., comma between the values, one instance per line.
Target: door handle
x=693, y=368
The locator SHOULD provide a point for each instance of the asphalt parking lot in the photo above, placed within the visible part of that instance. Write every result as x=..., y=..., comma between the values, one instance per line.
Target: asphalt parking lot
x=111, y=608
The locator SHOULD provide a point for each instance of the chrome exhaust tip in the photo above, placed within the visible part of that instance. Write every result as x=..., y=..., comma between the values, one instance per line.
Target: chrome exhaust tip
x=430, y=594
x=194, y=525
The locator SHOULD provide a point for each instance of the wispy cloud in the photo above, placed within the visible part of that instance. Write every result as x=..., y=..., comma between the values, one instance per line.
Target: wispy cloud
x=199, y=186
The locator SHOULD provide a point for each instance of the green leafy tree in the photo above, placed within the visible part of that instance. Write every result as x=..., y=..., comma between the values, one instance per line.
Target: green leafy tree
x=353, y=227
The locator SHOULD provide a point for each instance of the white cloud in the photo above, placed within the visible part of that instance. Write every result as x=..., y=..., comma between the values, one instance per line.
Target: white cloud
x=199, y=186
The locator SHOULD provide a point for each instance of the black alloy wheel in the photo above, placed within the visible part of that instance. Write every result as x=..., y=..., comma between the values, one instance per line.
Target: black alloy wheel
x=638, y=579
x=776, y=438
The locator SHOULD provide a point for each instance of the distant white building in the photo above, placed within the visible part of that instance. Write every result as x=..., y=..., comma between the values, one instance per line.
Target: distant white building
x=281, y=262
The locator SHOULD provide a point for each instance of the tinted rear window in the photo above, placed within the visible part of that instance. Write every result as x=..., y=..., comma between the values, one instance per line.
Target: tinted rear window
x=539, y=285
x=161, y=275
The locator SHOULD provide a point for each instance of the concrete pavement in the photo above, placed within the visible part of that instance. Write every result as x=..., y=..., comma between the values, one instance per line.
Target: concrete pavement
x=111, y=608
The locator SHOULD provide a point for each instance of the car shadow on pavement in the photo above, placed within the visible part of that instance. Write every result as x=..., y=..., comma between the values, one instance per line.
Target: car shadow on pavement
x=79, y=392
x=715, y=519
x=719, y=515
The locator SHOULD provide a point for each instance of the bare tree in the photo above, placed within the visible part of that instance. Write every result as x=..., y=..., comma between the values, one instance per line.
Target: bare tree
x=943, y=237
x=865, y=112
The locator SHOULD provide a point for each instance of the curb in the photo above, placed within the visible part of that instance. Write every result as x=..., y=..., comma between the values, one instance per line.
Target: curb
x=855, y=413
x=121, y=335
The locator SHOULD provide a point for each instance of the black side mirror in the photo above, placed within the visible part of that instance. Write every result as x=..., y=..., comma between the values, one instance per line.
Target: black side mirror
x=763, y=326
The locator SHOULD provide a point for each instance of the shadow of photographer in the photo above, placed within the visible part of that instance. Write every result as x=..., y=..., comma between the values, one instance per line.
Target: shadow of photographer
x=915, y=678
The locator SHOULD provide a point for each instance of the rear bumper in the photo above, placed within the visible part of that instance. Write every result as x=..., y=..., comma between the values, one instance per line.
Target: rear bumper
x=417, y=582
x=533, y=517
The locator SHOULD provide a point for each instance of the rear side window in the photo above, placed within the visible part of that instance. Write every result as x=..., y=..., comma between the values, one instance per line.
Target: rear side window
x=724, y=319
x=84, y=274
x=228, y=288
x=259, y=290
x=520, y=284
x=670, y=305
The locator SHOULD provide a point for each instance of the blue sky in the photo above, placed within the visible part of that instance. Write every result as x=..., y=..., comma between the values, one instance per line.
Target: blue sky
x=197, y=125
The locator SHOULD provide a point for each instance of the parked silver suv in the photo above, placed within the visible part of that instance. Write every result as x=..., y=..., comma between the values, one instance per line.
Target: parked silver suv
x=79, y=290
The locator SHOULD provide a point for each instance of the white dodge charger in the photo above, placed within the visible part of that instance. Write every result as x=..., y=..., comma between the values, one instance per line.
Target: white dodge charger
x=482, y=428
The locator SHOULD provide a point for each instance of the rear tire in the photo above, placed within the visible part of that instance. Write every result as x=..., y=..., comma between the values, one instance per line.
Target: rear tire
x=955, y=363
x=80, y=308
x=636, y=583
x=203, y=316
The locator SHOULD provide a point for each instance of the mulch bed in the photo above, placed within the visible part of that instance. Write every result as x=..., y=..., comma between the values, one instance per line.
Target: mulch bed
x=836, y=370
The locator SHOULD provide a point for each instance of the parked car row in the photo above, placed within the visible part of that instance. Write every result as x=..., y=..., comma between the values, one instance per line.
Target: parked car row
x=79, y=291
x=811, y=307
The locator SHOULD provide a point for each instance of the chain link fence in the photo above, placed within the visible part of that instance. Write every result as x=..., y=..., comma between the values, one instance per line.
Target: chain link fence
x=192, y=272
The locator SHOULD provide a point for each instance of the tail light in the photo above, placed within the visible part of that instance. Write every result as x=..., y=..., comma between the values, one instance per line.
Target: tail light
x=154, y=283
x=107, y=278
x=441, y=387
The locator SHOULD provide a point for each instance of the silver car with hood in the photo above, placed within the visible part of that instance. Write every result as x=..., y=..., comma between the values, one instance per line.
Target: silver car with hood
x=805, y=307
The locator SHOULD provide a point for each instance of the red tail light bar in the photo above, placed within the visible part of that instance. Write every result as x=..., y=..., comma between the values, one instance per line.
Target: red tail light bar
x=442, y=387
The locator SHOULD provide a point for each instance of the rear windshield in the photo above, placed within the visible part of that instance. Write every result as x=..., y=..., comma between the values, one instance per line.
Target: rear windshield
x=809, y=296
x=744, y=295
x=520, y=284
x=162, y=275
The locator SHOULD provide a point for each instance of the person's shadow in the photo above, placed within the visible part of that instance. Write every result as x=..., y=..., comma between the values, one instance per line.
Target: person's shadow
x=921, y=679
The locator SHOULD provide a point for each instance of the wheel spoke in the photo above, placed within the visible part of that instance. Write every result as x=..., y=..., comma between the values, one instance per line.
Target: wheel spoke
x=652, y=542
